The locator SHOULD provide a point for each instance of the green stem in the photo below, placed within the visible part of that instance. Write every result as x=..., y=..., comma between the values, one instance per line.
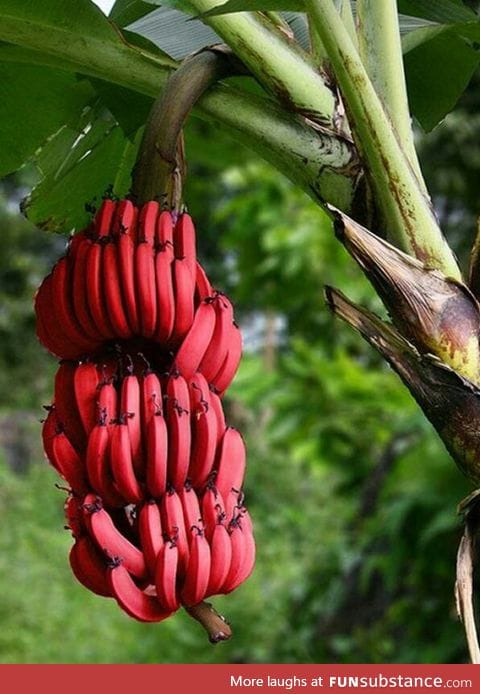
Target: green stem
x=349, y=21
x=408, y=215
x=381, y=51
x=324, y=165
x=318, y=49
x=325, y=168
x=275, y=61
x=278, y=21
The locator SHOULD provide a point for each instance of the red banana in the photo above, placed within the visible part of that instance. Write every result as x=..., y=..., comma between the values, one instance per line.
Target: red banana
x=248, y=562
x=196, y=341
x=146, y=288
x=145, y=268
x=107, y=403
x=94, y=310
x=103, y=219
x=151, y=399
x=50, y=429
x=98, y=466
x=231, y=462
x=217, y=407
x=89, y=567
x=86, y=381
x=66, y=406
x=95, y=282
x=191, y=508
x=203, y=287
x=49, y=331
x=219, y=344
x=147, y=223
x=164, y=232
x=113, y=293
x=213, y=510
x=165, y=297
x=73, y=516
x=229, y=368
x=126, y=223
x=131, y=412
x=132, y=599
x=157, y=456
x=63, y=307
x=68, y=463
x=109, y=539
x=166, y=576
x=150, y=530
x=179, y=430
x=76, y=242
x=121, y=463
x=198, y=570
x=80, y=291
x=239, y=555
x=184, y=242
x=221, y=549
x=184, y=291
x=204, y=431
x=173, y=524
x=164, y=279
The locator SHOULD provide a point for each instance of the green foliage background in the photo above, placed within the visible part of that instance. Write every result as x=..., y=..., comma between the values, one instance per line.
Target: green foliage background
x=352, y=496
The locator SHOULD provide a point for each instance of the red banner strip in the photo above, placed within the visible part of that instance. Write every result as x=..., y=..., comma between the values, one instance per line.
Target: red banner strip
x=227, y=679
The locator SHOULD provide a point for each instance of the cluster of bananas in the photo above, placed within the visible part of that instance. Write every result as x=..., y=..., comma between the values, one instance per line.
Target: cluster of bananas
x=137, y=427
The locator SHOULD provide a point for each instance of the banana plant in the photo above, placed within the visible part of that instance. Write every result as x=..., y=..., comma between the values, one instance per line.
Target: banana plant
x=336, y=85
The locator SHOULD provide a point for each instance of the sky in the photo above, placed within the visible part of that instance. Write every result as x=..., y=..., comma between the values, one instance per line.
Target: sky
x=105, y=5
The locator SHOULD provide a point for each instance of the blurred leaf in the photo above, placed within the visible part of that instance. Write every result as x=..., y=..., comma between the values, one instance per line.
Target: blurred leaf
x=83, y=21
x=442, y=11
x=174, y=32
x=419, y=36
x=77, y=166
x=438, y=72
x=34, y=103
x=442, y=523
x=181, y=5
x=299, y=25
x=253, y=6
x=408, y=24
x=125, y=12
x=296, y=20
x=438, y=63
x=129, y=108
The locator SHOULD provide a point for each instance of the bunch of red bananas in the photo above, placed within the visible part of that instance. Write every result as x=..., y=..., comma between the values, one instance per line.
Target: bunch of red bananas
x=137, y=427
